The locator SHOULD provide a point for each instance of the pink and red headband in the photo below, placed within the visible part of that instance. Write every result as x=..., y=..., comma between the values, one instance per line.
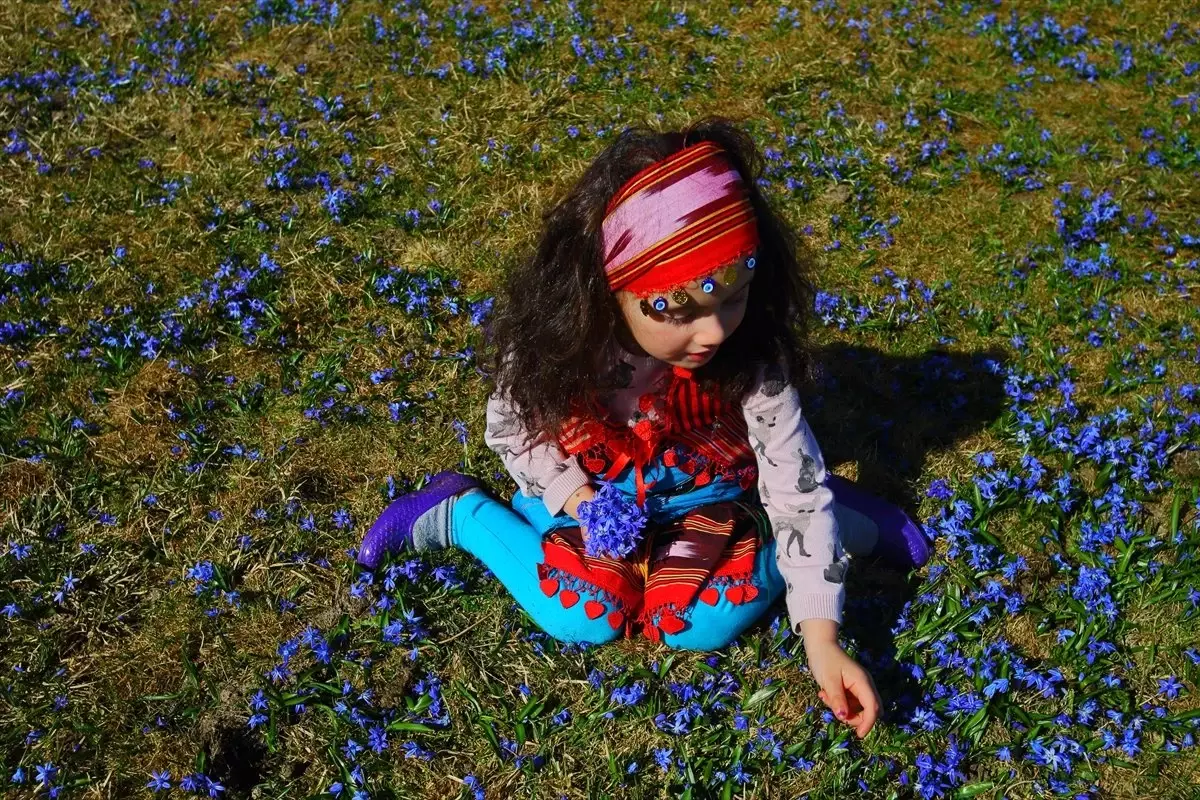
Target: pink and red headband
x=677, y=221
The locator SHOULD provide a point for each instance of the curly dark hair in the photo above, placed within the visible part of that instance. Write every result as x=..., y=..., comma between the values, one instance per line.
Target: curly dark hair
x=557, y=314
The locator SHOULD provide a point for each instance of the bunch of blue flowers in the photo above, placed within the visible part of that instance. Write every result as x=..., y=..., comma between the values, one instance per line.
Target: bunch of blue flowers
x=612, y=523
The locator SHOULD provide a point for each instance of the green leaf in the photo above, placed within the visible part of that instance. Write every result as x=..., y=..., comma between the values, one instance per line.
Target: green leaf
x=489, y=733
x=1185, y=716
x=408, y=727
x=189, y=667
x=976, y=725
x=531, y=708
x=519, y=730
x=666, y=665
x=762, y=695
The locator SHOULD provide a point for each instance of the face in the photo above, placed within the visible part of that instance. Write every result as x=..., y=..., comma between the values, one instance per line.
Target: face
x=688, y=334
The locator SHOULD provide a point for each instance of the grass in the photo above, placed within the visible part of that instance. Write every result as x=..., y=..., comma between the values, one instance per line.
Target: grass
x=174, y=479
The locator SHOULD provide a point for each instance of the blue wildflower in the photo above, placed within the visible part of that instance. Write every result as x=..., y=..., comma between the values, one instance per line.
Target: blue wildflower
x=613, y=525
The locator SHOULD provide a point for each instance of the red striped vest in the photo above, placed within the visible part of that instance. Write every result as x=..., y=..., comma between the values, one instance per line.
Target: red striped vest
x=693, y=430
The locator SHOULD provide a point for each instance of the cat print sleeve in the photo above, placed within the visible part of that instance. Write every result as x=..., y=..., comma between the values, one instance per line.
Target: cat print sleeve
x=539, y=466
x=791, y=483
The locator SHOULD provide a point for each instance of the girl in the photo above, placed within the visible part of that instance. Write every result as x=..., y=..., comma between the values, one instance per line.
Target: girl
x=646, y=358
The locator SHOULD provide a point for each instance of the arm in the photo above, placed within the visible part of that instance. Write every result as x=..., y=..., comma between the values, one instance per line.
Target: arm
x=791, y=482
x=808, y=551
x=539, y=466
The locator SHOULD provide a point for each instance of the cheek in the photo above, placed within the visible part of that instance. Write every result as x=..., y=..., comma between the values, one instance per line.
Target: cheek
x=658, y=337
x=736, y=316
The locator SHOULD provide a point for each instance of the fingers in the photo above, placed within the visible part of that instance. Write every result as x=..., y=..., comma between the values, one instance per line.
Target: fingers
x=861, y=715
x=868, y=700
x=835, y=698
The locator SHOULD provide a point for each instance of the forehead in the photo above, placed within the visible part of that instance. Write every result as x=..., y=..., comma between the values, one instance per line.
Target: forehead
x=698, y=298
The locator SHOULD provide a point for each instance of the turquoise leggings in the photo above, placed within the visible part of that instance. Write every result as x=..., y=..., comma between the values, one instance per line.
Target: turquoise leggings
x=511, y=547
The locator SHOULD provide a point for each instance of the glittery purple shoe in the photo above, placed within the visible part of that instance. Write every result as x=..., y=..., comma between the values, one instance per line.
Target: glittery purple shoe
x=901, y=543
x=393, y=530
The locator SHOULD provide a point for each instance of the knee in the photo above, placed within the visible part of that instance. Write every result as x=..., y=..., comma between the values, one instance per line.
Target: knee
x=706, y=631
x=577, y=628
x=715, y=627
x=701, y=638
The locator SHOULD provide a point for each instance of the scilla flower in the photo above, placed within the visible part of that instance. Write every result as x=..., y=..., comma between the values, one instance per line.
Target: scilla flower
x=613, y=524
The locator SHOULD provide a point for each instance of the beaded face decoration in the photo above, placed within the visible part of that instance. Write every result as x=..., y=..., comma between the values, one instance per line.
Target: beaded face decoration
x=708, y=284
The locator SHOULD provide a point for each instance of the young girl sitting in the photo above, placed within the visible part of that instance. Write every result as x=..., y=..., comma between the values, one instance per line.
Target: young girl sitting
x=645, y=404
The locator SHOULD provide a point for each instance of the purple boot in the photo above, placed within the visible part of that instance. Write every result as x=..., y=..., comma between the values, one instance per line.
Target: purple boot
x=901, y=543
x=393, y=530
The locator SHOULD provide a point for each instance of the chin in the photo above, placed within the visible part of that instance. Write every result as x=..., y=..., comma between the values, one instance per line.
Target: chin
x=691, y=363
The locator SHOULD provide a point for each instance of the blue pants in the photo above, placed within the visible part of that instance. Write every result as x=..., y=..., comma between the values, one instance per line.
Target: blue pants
x=510, y=545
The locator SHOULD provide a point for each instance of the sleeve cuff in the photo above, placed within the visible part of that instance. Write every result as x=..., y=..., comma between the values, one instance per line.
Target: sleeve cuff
x=565, y=485
x=814, y=606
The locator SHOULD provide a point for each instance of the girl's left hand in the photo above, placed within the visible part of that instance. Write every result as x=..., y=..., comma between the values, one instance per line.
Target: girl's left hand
x=846, y=687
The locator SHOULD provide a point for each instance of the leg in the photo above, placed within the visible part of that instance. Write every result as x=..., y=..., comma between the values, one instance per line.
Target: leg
x=512, y=549
x=714, y=627
x=858, y=532
x=875, y=527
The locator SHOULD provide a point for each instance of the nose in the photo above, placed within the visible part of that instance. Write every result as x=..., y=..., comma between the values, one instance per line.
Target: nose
x=711, y=332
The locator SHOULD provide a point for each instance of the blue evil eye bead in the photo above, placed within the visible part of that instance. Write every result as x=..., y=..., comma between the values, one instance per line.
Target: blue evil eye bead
x=751, y=263
x=659, y=304
x=708, y=284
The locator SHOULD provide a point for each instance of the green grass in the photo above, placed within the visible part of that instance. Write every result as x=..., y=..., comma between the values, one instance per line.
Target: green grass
x=152, y=682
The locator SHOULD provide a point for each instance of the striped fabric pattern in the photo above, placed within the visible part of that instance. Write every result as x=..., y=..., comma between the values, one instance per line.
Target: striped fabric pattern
x=682, y=562
x=686, y=559
x=681, y=415
x=678, y=220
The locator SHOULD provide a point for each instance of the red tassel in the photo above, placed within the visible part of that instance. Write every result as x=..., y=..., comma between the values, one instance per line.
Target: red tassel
x=616, y=619
x=549, y=586
x=751, y=592
x=710, y=596
x=670, y=623
x=568, y=598
x=653, y=634
x=736, y=594
x=593, y=609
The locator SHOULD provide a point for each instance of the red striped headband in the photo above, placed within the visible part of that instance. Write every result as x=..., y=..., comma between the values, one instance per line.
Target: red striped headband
x=676, y=221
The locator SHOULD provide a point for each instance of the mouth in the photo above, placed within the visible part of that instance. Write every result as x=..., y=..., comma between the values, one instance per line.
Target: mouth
x=703, y=355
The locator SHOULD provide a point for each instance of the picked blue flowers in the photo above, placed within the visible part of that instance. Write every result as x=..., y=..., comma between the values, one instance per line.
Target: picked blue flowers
x=612, y=523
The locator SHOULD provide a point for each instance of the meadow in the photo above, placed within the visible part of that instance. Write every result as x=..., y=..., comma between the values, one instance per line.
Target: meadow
x=248, y=253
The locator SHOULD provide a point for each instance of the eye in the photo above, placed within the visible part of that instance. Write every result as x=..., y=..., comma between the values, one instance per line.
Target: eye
x=680, y=319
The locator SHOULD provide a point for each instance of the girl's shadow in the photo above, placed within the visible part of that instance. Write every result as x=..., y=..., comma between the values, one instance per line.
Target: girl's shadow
x=891, y=414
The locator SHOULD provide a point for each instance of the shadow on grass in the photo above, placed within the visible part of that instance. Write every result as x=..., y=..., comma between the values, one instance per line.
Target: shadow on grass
x=889, y=413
